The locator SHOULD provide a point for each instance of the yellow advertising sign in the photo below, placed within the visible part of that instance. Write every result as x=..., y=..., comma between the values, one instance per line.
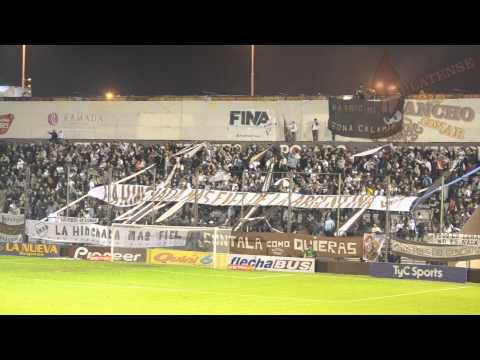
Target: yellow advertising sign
x=189, y=258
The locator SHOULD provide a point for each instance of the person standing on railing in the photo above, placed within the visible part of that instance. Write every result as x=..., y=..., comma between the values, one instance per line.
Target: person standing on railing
x=315, y=128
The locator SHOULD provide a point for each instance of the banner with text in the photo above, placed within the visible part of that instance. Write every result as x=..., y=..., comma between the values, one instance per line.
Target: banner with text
x=421, y=251
x=453, y=239
x=371, y=119
x=11, y=227
x=127, y=236
x=288, y=245
x=121, y=196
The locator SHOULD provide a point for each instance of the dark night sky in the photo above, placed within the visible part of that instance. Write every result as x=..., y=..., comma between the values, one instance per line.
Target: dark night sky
x=87, y=70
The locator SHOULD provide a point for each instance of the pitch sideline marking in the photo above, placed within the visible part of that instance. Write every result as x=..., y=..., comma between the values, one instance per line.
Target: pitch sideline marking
x=405, y=294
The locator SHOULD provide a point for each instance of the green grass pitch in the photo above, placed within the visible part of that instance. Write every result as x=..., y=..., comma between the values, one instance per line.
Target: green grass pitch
x=44, y=286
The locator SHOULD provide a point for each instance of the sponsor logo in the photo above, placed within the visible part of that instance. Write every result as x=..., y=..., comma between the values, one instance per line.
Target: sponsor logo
x=21, y=249
x=249, y=118
x=168, y=257
x=99, y=254
x=41, y=229
x=53, y=119
x=272, y=264
x=100, y=258
x=413, y=271
x=418, y=272
x=5, y=122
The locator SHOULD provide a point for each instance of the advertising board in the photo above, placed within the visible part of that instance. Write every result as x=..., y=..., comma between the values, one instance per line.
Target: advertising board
x=28, y=249
x=187, y=258
x=418, y=272
x=272, y=263
x=103, y=252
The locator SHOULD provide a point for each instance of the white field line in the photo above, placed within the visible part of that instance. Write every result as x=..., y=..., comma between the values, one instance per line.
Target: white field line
x=406, y=294
x=159, y=269
x=230, y=294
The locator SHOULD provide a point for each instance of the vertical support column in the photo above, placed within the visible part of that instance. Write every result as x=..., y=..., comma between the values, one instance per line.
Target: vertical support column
x=195, y=205
x=24, y=60
x=215, y=234
x=109, y=182
x=68, y=188
x=442, y=205
x=339, y=193
x=167, y=159
x=26, y=207
x=109, y=213
x=244, y=176
x=252, y=73
x=387, y=219
x=290, y=190
x=154, y=189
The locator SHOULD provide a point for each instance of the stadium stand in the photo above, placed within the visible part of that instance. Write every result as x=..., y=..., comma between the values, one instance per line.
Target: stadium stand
x=228, y=167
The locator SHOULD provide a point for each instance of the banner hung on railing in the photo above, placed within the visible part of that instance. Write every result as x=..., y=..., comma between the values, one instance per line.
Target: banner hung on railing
x=11, y=227
x=372, y=246
x=370, y=119
x=124, y=235
x=427, y=252
x=121, y=196
x=453, y=239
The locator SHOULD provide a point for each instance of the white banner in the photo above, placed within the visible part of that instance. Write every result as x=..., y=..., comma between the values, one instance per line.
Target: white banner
x=128, y=236
x=11, y=227
x=122, y=197
x=13, y=220
x=452, y=239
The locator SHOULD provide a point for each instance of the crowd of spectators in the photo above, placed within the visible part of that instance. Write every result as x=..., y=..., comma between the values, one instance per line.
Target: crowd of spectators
x=231, y=167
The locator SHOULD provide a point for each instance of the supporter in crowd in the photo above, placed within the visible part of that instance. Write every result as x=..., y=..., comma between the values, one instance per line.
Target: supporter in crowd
x=227, y=167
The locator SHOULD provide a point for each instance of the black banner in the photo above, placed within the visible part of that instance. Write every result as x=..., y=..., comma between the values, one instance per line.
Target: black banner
x=369, y=119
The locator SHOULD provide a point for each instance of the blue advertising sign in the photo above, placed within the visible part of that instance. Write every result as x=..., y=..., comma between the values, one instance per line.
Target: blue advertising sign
x=418, y=272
